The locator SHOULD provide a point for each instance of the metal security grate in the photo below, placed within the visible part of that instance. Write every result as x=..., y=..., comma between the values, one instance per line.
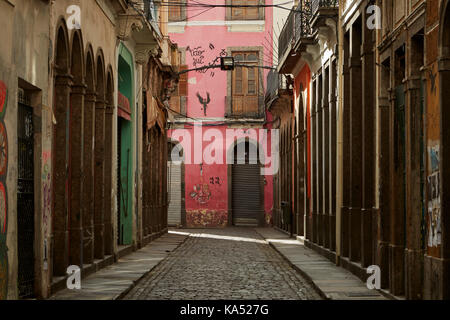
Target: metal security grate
x=25, y=198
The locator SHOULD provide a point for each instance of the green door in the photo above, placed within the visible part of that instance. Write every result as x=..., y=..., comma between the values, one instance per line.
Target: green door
x=125, y=152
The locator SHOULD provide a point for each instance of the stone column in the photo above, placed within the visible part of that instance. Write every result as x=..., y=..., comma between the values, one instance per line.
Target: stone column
x=355, y=143
x=397, y=201
x=314, y=235
x=326, y=158
x=108, y=180
x=345, y=224
x=88, y=178
x=383, y=220
x=333, y=154
x=300, y=169
x=151, y=177
x=60, y=175
x=320, y=157
x=76, y=176
x=99, y=166
x=368, y=148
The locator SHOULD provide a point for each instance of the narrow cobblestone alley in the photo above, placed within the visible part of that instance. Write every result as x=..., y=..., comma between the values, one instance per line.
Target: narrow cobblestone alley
x=231, y=263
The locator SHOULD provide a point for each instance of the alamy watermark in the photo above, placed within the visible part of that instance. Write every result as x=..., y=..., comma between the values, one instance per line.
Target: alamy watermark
x=74, y=279
x=74, y=19
x=374, y=20
x=207, y=147
x=374, y=281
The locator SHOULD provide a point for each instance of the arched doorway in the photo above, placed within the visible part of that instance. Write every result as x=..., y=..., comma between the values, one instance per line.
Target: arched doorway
x=247, y=192
x=99, y=161
x=75, y=120
x=88, y=160
x=109, y=233
x=175, y=182
x=60, y=159
x=125, y=147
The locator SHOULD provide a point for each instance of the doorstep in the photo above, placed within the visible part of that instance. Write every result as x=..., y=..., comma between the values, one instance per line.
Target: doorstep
x=116, y=280
x=331, y=282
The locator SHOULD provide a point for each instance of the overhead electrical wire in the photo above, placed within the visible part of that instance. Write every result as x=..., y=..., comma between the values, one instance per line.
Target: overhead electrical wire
x=206, y=5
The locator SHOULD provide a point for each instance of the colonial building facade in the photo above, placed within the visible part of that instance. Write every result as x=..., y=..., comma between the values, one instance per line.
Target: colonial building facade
x=80, y=132
x=374, y=173
x=211, y=102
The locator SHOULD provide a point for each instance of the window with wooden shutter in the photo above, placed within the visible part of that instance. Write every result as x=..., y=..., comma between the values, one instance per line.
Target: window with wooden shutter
x=180, y=91
x=245, y=84
x=246, y=13
x=177, y=10
x=183, y=84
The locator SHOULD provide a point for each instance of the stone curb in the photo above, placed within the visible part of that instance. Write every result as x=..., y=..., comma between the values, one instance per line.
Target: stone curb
x=303, y=273
x=137, y=281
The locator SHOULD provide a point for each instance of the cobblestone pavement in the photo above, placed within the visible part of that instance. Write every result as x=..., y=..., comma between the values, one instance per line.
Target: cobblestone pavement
x=232, y=263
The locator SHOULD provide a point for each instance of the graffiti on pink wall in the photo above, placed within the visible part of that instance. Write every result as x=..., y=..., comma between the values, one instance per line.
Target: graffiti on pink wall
x=205, y=57
x=3, y=194
x=206, y=218
x=201, y=193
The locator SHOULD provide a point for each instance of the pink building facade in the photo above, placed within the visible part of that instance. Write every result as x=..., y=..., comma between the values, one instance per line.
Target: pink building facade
x=218, y=112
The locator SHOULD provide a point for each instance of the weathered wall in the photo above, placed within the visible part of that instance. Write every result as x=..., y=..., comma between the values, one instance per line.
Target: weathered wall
x=24, y=55
x=206, y=38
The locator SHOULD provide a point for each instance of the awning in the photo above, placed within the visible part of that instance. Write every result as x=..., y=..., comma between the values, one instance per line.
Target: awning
x=124, y=109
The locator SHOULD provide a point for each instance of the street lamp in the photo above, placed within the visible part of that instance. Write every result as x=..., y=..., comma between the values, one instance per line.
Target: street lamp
x=226, y=63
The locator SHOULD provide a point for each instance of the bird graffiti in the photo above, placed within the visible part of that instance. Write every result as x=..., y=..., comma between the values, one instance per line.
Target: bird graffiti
x=204, y=102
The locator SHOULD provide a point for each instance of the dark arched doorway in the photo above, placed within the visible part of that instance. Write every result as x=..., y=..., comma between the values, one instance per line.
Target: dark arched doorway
x=62, y=84
x=88, y=160
x=247, y=192
x=75, y=150
x=125, y=146
x=99, y=162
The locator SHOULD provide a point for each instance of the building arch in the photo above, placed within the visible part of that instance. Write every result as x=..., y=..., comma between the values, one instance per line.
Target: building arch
x=62, y=48
x=88, y=155
x=99, y=157
x=77, y=68
x=245, y=179
x=75, y=143
x=126, y=102
x=108, y=181
x=60, y=160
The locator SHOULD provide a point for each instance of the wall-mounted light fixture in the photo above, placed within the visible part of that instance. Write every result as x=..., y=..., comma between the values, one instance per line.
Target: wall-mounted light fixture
x=226, y=63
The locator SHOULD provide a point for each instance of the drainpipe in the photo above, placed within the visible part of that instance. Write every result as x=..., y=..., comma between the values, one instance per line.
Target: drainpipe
x=340, y=126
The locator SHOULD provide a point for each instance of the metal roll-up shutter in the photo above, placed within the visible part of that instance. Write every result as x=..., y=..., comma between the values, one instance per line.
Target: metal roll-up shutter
x=246, y=194
x=174, y=177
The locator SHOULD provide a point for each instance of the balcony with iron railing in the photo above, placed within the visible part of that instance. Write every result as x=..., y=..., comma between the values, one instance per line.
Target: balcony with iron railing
x=296, y=27
x=323, y=9
x=316, y=5
x=277, y=84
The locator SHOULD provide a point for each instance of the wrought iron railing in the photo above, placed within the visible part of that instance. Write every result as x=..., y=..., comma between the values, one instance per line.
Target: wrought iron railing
x=275, y=83
x=317, y=4
x=296, y=26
